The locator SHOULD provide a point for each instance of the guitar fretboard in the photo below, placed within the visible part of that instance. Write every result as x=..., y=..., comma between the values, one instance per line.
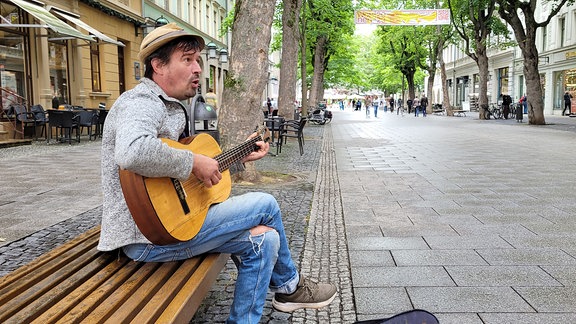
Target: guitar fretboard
x=226, y=159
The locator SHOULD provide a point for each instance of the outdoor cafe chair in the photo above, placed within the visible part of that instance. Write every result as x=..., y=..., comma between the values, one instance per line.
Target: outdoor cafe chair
x=293, y=129
x=64, y=121
x=24, y=119
x=88, y=119
x=41, y=119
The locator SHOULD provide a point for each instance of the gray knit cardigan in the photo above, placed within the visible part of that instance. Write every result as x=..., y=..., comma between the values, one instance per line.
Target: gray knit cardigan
x=131, y=140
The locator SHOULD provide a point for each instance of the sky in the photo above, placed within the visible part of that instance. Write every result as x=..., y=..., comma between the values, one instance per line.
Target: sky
x=364, y=29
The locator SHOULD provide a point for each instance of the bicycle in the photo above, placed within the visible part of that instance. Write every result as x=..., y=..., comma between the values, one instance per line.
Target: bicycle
x=513, y=108
x=493, y=110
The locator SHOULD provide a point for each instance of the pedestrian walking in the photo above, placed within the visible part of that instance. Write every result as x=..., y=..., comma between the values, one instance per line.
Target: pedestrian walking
x=416, y=104
x=506, y=101
x=424, y=105
x=567, y=103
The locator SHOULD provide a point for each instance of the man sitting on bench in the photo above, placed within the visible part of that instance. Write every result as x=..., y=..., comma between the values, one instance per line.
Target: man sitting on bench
x=249, y=227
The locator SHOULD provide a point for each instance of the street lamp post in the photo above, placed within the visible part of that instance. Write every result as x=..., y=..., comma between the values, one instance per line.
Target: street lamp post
x=151, y=23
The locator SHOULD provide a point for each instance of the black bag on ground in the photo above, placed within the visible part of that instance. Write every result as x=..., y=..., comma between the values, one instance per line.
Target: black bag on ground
x=416, y=316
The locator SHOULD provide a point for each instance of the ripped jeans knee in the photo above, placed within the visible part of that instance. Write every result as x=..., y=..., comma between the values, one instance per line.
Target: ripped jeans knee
x=267, y=243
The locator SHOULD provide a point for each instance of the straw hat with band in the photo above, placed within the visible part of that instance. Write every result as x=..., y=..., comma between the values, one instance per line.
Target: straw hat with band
x=162, y=35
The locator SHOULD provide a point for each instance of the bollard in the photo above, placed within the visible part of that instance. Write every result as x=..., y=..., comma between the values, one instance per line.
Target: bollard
x=519, y=113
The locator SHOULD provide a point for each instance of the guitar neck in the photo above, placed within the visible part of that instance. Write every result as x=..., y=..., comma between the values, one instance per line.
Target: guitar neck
x=226, y=159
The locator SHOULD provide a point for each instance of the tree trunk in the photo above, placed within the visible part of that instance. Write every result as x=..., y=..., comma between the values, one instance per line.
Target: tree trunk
x=429, y=89
x=316, y=89
x=303, y=60
x=290, y=32
x=482, y=63
x=445, y=97
x=526, y=39
x=241, y=112
x=533, y=87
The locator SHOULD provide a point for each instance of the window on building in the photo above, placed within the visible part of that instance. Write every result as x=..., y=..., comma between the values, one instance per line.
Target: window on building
x=223, y=37
x=174, y=8
x=503, y=81
x=212, y=83
x=544, y=37
x=58, y=61
x=215, y=22
x=186, y=13
x=207, y=22
x=161, y=3
x=95, y=68
x=15, y=54
x=195, y=14
x=562, y=28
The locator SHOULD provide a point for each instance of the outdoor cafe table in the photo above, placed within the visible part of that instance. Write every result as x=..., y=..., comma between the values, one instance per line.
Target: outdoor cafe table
x=274, y=125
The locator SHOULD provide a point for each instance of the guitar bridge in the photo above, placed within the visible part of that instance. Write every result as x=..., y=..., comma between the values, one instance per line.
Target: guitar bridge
x=181, y=195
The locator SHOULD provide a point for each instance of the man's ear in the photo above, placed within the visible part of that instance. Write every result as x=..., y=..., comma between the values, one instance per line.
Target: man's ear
x=156, y=65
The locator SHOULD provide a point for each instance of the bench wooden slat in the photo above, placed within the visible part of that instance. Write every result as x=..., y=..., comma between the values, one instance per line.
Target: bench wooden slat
x=35, y=287
x=76, y=283
x=103, y=298
x=47, y=263
x=151, y=312
x=167, y=278
x=189, y=298
x=68, y=302
x=54, y=292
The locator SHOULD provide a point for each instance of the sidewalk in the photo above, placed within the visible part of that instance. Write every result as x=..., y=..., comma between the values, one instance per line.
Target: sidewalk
x=471, y=220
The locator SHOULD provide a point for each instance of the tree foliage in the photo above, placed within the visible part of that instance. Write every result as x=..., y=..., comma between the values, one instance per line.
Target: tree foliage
x=327, y=24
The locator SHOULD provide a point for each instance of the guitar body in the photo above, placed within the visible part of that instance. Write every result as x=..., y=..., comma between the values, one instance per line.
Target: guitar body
x=169, y=211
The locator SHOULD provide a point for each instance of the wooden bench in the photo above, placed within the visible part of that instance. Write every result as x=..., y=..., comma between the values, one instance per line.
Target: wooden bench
x=77, y=283
x=459, y=112
x=438, y=111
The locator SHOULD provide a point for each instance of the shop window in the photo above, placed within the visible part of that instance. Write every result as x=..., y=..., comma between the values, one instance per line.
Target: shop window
x=212, y=77
x=95, y=66
x=59, y=70
x=504, y=82
x=14, y=55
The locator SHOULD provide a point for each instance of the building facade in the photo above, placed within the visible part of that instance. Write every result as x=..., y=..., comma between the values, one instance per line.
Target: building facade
x=557, y=65
x=85, y=52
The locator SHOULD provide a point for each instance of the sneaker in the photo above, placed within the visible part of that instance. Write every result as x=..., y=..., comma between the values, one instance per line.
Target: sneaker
x=308, y=294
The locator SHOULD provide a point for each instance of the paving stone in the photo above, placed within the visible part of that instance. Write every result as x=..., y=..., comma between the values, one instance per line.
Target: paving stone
x=468, y=299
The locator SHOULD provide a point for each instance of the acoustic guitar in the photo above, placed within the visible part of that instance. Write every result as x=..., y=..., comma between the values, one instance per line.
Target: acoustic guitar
x=169, y=211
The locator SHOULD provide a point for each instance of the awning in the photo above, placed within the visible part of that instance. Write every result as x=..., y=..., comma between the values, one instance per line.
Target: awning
x=51, y=21
x=88, y=28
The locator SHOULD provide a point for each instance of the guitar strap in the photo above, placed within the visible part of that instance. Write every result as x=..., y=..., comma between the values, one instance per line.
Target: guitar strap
x=186, y=132
x=190, y=128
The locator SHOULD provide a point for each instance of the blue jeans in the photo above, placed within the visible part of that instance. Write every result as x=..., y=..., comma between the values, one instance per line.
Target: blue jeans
x=263, y=261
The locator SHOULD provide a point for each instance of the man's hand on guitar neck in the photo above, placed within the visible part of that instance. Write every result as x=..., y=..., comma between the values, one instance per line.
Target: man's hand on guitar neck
x=206, y=170
x=260, y=153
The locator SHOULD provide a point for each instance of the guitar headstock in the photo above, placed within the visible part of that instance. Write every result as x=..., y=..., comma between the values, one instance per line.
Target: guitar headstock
x=263, y=132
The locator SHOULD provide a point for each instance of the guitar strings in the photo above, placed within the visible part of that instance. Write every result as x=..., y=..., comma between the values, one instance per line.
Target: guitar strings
x=225, y=160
